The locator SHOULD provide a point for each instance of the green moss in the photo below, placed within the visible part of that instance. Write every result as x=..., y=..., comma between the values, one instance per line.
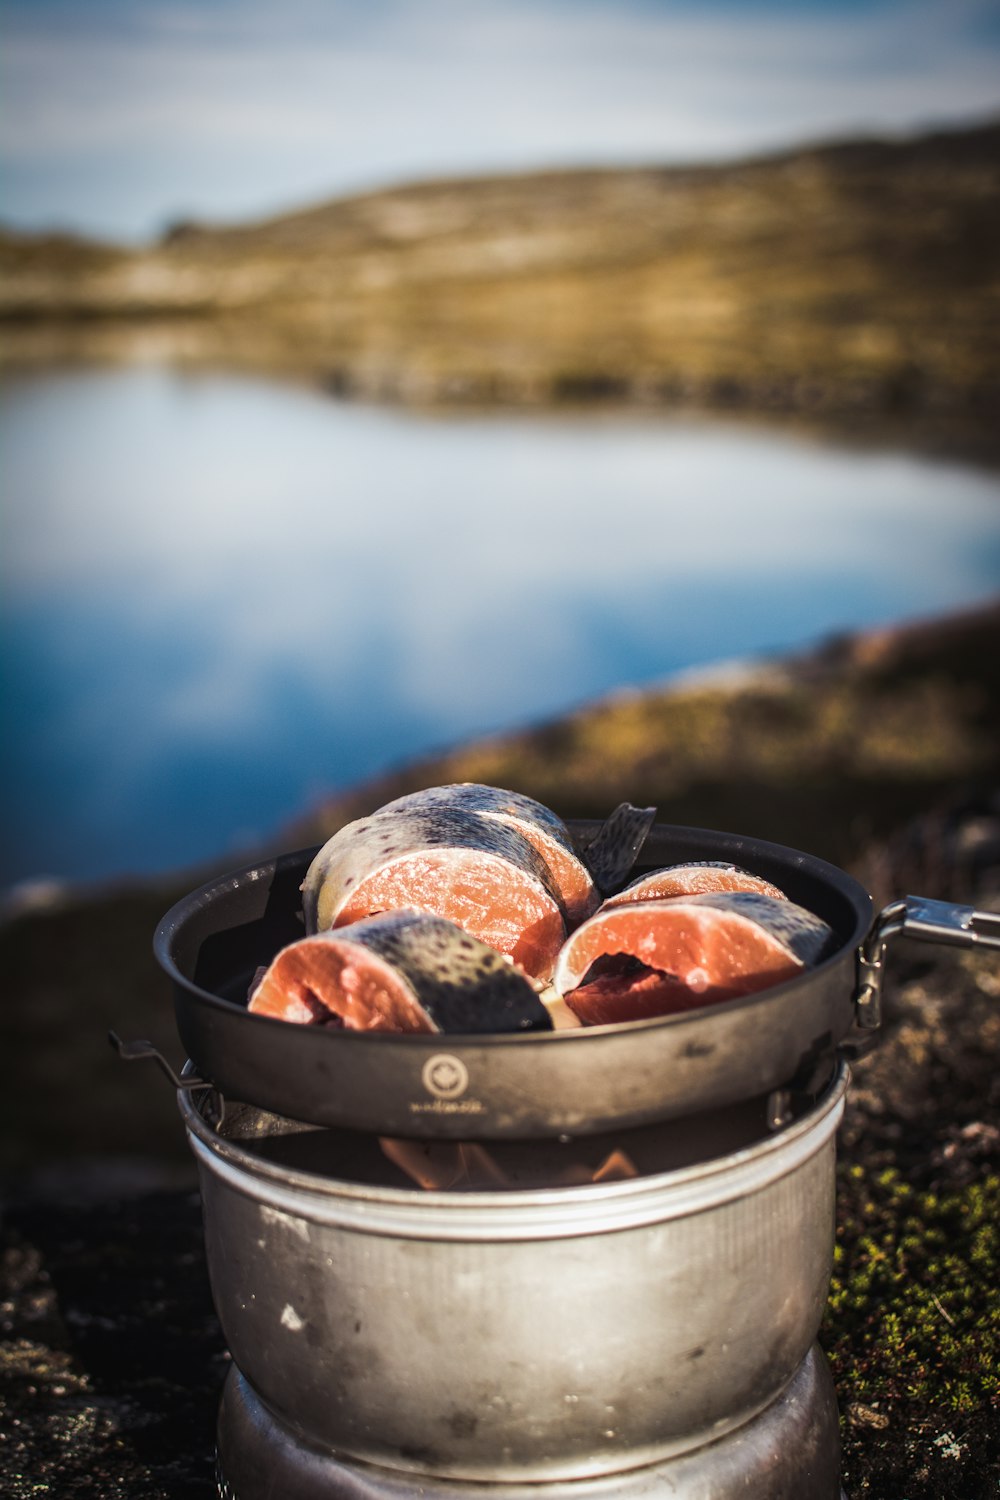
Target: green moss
x=907, y=1317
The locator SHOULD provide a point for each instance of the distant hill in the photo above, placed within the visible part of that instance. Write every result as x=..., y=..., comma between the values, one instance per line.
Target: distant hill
x=854, y=276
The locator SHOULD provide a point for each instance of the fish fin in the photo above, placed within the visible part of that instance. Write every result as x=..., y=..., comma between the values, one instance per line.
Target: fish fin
x=615, y=847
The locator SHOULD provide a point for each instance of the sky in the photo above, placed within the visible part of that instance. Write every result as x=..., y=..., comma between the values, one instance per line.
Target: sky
x=120, y=117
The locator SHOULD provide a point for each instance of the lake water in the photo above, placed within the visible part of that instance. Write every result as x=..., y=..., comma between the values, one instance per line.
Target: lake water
x=223, y=598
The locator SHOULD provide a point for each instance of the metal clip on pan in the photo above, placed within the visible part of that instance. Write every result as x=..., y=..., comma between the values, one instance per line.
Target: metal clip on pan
x=930, y=922
x=913, y=917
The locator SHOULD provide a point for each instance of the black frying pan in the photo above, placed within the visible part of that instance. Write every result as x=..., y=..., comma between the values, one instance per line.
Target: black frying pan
x=511, y=1086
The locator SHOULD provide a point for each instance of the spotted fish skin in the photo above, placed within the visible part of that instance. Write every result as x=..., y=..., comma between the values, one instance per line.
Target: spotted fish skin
x=697, y=877
x=707, y=864
x=472, y=870
x=464, y=984
x=803, y=933
x=616, y=845
x=399, y=971
x=490, y=801
x=544, y=830
x=373, y=842
x=712, y=946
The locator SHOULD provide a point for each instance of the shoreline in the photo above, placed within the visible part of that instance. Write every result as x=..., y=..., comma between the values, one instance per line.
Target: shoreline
x=953, y=425
x=854, y=280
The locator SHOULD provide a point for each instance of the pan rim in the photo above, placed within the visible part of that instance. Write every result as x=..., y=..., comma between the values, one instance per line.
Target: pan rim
x=831, y=876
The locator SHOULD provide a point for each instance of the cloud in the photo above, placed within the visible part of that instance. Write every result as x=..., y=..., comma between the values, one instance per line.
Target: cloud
x=119, y=115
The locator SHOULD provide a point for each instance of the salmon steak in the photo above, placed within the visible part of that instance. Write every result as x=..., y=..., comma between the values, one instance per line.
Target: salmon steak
x=402, y=971
x=659, y=957
x=472, y=870
x=544, y=830
x=694, y=879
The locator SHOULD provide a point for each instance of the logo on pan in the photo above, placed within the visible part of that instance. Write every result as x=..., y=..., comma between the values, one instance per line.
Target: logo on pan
x=445, y=1076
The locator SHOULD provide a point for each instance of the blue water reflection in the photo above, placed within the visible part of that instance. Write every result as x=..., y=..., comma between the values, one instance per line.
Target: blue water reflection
x=224, y=597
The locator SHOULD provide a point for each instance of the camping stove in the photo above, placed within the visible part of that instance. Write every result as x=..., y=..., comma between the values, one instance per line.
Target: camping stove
x=623, y=1315
x=788, y=1452
x=524, y=1313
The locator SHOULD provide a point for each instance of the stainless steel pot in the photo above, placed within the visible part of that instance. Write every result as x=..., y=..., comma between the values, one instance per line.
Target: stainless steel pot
x=527, y=1335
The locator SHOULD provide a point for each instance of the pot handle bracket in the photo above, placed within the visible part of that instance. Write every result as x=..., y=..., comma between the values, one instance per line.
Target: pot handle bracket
x=214, y=1107
x=926, y=920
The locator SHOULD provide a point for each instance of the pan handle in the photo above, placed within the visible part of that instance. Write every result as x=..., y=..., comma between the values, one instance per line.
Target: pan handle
x=929, y=922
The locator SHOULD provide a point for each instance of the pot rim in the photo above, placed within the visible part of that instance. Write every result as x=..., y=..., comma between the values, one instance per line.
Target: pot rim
x=523, y=1213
